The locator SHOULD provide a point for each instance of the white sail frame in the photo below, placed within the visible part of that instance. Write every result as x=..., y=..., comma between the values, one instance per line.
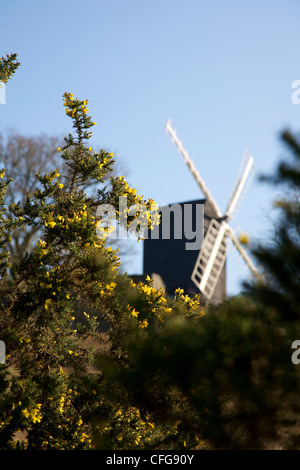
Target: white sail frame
x=213, y=253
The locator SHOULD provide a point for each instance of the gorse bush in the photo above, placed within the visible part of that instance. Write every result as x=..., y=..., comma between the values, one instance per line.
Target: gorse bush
x=52, y=394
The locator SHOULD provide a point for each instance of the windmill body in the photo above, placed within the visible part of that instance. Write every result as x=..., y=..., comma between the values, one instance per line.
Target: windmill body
x=169, y=259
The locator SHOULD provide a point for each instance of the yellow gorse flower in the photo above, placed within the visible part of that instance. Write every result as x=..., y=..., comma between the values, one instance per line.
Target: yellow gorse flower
x=51, y=223
x=34, y=415
x=132, y=310
x=143, y=324
x=25, y=413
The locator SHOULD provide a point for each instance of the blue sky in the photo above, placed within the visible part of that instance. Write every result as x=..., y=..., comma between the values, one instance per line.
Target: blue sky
x=222, y=71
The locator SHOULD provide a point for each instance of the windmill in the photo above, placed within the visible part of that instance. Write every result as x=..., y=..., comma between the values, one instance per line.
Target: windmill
x=213, y=252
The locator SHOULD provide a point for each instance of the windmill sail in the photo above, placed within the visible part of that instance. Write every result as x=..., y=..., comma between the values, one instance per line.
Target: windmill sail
x=243, y=253
x=246, y=174
x=211, y=258
x=192, y=168
x=212, y=255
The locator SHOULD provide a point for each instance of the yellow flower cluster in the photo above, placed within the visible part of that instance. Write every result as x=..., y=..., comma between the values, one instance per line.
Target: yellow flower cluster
x=61, y=403
x=106, y=289
x=42, y=243
x=129, y=429
x=125, y=186
x=149, y=210
x=75, y=108
x=154, y=297
x=24, y=340
x=67, y=420
x=68, y=99
x=34, y=414
x=106, y=160
x=42, y=248
x=65, y=398
x=103, y=232
x=143, y=324
x=83, y=106
x=193, y=304
x=132, y=311
x=83, y=437
x=78, y=217
x=156, y=303
x=51, y=283
x=51, y=176
x=50, y=223
x=110, y=287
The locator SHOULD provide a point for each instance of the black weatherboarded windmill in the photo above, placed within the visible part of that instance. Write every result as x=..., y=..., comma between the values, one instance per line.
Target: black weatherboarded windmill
x=203, y=271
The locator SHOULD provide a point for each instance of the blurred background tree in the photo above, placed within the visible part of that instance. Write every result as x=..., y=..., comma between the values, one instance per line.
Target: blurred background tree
x=24, y=156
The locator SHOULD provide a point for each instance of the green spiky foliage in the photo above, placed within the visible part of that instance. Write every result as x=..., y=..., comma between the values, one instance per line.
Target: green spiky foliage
x=52, y=392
